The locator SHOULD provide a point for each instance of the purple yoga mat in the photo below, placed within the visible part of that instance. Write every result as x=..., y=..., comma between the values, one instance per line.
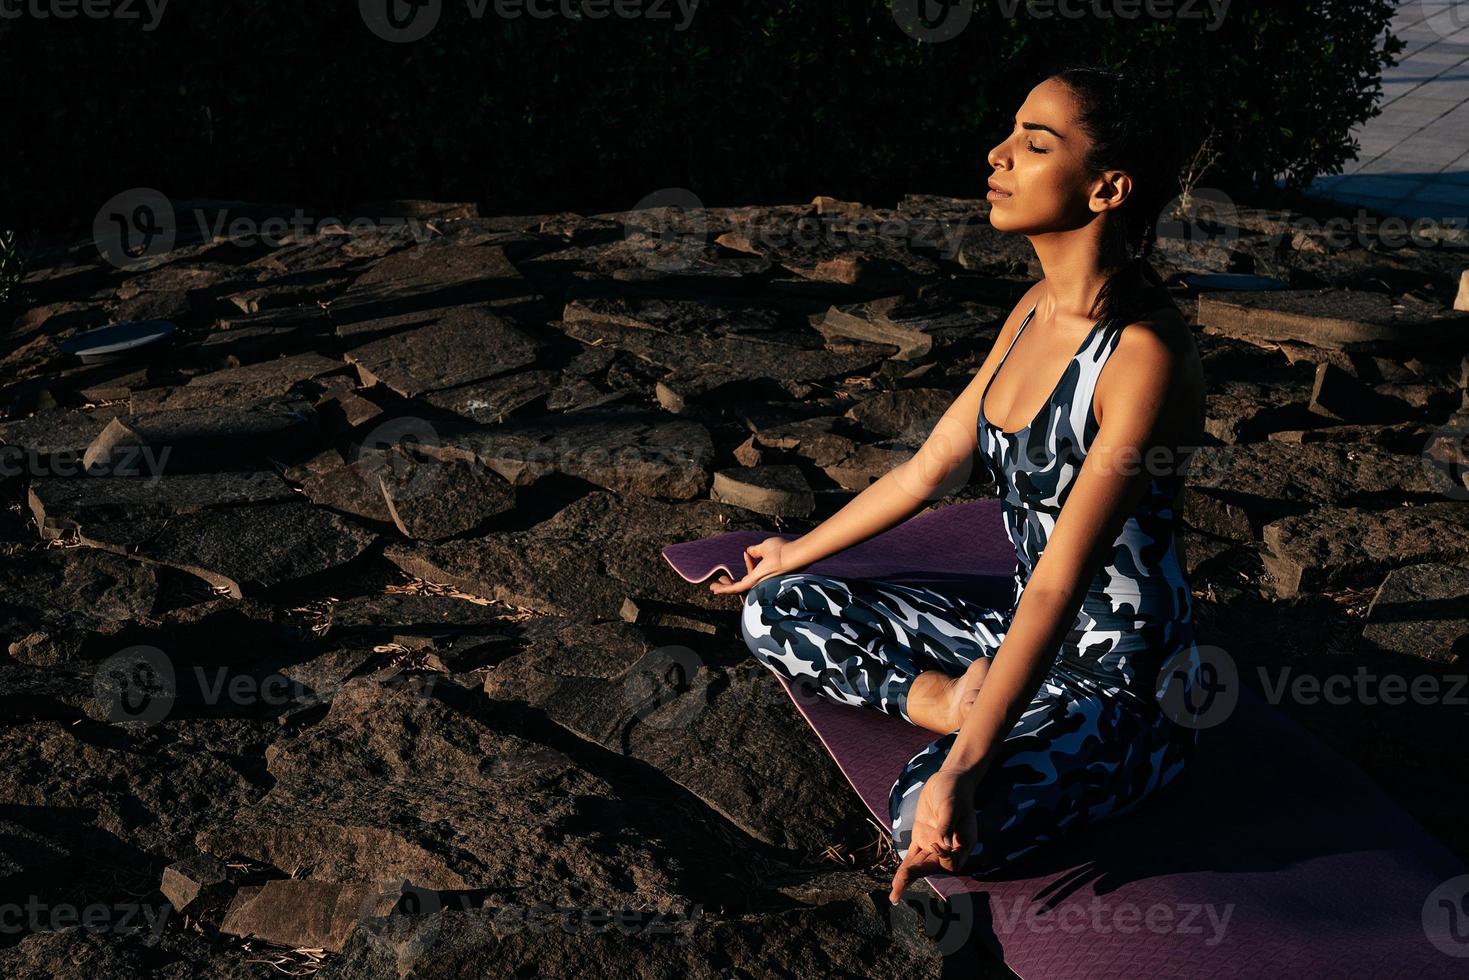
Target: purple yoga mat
x=1274, y=857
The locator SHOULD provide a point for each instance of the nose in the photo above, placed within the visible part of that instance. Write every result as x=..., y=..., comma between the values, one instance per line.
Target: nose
x=1000, y=154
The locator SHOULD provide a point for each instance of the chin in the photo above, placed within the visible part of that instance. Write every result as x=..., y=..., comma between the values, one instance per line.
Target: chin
x=1008, y=217
x=1004, y=216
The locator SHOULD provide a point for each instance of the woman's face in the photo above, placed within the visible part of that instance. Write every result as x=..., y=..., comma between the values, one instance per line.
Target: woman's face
x=1038, y=170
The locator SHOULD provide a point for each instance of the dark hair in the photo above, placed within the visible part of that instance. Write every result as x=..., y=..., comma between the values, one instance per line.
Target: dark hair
x=1130, y=128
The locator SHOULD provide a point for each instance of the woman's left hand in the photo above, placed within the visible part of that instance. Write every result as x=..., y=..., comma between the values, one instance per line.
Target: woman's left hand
x=945, y=830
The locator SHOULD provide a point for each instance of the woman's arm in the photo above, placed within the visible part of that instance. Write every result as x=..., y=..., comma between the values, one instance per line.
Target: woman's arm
x=1145, y=408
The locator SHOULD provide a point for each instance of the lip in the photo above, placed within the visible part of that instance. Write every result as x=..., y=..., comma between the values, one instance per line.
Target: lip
x=998, y=193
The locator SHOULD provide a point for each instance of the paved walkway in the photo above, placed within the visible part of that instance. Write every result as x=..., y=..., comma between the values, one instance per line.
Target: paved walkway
x=1414, y=157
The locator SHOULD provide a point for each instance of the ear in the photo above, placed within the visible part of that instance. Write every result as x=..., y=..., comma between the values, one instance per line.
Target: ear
x=1111, y=189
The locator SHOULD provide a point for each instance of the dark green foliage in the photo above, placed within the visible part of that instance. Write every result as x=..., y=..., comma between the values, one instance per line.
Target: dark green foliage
x=298, y=102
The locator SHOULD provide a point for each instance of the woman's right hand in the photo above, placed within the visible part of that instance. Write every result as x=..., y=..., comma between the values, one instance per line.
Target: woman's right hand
x=761, y=561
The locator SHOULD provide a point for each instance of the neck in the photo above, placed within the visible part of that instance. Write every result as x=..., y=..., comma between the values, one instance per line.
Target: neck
x=1076, y=264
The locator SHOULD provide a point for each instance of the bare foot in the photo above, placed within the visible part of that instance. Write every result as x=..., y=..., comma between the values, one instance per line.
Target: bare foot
x=972, y=680
x=939, y=701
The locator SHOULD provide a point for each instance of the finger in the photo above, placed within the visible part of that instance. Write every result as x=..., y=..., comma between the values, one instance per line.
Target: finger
x=739, y=586
x=907, y=871
x=749, y=562
x=900, y=882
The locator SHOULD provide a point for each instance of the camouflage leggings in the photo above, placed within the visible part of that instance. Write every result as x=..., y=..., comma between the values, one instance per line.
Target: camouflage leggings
x=1083, y=750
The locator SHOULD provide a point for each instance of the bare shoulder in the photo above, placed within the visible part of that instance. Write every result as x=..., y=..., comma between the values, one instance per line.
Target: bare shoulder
x=1158, y=359
x=1160, y=339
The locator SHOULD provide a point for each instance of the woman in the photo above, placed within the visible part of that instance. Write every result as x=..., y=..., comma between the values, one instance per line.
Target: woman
x=1049, y=711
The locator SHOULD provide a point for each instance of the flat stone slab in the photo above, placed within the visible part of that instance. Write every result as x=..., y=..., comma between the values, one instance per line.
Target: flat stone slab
x=850, y=464
x=836, y=248
x=251, y=384
x=1400, y=435
x=195, y=883
x=984, y=249
x=435, y=499
x=60, y=505
x=439, y=264
x=494, y=399
x=53, y=600
x=395, y=782
x=244, y=549
x=685, y=259
x=1422, y=611
x=815, y=438
x=635, y=451
x=1233, y=491
x=302, y=913
x=1339, y=396
x=467, y=344
x=708, y=727
x=908, y=414
x=916, y=334
x=1346, y=546
x=697, y=365
x=54, y=434
x=269, y=331
x=672, y=315
x=1335, y=318
x=1236, y=410
x=174, y=440
x=393, y=617
x=420, y=284
x=780, y=490
x=547, y=567
x=350, y=487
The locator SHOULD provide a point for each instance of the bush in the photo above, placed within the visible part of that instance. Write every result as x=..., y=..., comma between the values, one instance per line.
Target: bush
x=301, y=103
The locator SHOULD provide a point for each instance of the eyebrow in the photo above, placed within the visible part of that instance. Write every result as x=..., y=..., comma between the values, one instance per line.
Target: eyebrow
x=1039, y=126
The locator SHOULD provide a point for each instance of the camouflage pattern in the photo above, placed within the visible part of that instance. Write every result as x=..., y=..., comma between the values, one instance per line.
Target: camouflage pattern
x=1093, y=742
x=862, y=642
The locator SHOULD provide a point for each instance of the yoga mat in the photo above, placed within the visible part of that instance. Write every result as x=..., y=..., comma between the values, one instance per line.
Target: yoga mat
x=1274, y=857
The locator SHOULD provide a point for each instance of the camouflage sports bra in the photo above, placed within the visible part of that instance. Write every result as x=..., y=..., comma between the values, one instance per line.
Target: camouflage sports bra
x=1138, y=610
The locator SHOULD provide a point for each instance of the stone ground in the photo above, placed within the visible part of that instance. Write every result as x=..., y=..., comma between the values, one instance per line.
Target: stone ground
x=1414, y=159
x=337, y=639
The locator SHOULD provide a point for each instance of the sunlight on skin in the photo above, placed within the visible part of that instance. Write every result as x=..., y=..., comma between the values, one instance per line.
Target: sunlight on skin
x=1042, y=189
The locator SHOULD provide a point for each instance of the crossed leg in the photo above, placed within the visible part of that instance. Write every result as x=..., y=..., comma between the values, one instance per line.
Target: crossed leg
x=864, y=642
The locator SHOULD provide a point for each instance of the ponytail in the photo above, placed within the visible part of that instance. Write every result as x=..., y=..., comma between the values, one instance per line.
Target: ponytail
x=1130, y=130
